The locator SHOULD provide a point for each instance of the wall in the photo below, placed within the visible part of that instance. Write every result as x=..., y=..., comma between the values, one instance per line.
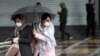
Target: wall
x=97, y=12
x=76, y=9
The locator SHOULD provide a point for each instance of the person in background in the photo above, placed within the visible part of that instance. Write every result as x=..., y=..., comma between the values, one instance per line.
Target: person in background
x=23, y=37
x=63, y=20
x=44, y=33
x=90, y=18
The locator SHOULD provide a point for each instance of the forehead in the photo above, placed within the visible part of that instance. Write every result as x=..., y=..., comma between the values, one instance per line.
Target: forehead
x=18, y=19
x=48, y=18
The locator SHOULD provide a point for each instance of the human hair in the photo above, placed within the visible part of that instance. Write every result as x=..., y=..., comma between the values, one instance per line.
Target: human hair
x=38, y=3
x=19, y=16
x=63, y=5
x=89, y=0
x=44, y=16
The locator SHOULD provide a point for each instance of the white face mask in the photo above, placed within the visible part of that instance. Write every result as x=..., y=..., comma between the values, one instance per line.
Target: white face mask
x=46, y=24
x=19, y=24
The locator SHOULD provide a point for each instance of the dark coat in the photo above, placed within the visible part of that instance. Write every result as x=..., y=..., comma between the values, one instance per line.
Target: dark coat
x=90, y=14
x=63, y=15
x=25, y=40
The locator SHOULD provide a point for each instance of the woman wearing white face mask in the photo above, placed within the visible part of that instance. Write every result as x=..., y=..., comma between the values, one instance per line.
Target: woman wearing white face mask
x=22, y=38
x=44, y=33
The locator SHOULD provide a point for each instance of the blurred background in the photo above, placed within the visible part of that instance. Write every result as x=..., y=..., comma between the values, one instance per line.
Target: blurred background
x=76, y=25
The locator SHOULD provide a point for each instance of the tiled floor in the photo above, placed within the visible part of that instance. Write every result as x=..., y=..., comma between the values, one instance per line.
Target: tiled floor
x=87, y=48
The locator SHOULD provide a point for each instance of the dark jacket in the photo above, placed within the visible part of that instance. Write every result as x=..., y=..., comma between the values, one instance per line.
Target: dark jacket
x=25, y=39
x=90, y=8
x=63, y=15
x=90, y=13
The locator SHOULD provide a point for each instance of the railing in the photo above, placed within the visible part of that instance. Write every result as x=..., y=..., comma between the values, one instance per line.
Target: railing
x=4, y=47
x=5, y=43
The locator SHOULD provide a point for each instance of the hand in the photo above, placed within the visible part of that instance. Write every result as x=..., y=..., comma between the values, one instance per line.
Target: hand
x=34, y=31
x=15, y=40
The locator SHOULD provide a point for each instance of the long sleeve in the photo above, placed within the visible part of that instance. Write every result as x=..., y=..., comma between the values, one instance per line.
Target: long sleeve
x=47, y=34
x=39, y=35
x=23, y=40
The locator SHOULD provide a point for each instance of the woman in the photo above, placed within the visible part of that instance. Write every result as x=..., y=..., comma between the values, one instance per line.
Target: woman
x=44, y=33
x=23, y=37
